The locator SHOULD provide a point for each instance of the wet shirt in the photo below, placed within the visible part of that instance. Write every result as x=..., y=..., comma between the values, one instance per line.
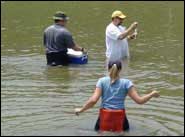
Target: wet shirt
x=113, y=95
x=116, y=49
x=57, y=39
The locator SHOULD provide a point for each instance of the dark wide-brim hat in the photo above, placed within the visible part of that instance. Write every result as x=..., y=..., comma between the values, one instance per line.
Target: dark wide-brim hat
x=59, y=15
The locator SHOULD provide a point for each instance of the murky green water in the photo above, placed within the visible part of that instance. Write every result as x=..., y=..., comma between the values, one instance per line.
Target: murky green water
x=36, y=100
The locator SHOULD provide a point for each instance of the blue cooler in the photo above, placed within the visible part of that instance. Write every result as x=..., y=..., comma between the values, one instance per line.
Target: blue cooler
x=77, y=57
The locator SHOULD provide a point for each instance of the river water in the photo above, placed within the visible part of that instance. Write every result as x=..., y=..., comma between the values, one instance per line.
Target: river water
x=37, y=100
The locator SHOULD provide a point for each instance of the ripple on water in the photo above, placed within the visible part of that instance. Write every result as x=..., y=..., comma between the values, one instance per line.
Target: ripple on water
x=162, y=116
x=33, y=104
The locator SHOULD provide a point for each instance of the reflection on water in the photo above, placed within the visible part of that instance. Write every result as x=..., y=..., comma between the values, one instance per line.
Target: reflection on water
x=39, y=100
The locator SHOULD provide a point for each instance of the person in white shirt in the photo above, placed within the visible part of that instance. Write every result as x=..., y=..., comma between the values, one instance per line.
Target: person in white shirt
x=117, y=36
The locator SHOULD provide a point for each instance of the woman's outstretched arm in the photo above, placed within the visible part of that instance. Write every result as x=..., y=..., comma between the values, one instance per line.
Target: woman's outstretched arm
x=141, y=99
x=91, y=102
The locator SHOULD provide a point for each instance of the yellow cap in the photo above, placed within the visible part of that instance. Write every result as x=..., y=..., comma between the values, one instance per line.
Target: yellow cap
x=119, y=14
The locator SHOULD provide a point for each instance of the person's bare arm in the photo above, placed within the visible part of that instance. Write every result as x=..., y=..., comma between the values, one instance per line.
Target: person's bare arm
x=91, y=102
x=77, y=48
x=141, y=99
x=129, y=31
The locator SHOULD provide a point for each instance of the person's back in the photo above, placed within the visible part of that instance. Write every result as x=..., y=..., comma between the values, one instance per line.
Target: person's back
x=113, y=95
x=55, y=38
x=114, y=91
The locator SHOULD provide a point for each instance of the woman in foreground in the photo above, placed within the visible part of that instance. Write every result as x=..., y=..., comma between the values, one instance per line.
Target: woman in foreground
x=113, y=90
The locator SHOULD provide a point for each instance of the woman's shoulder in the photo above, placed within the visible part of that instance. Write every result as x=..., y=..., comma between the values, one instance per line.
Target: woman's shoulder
x=104, y=78
x=103, y=81
x=125, y=80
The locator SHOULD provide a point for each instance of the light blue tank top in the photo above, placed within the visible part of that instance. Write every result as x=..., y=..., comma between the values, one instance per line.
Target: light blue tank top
x=113, y=95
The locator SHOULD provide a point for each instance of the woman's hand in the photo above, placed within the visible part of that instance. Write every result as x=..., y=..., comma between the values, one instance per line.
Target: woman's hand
x=90, y=103
x=142, y=99
x=155, y=93
x=78, y=111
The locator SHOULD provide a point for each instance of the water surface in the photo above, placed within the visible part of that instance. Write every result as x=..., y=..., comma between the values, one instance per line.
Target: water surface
x=37, y=100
